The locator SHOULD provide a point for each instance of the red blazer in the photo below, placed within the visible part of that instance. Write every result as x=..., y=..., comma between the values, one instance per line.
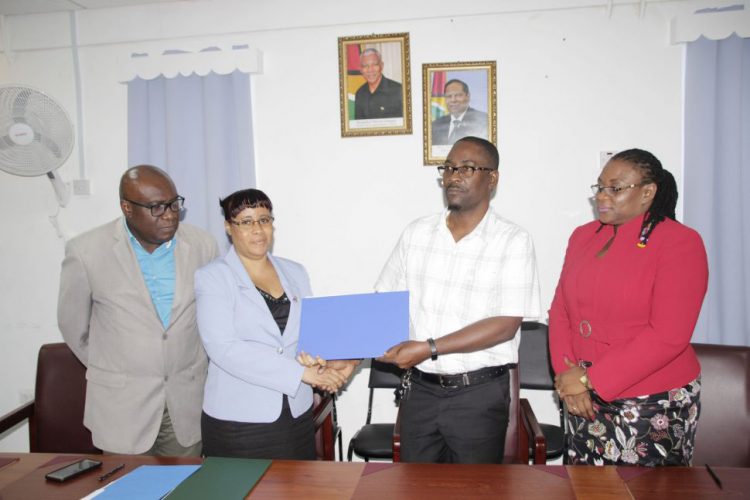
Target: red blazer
x=632, y=312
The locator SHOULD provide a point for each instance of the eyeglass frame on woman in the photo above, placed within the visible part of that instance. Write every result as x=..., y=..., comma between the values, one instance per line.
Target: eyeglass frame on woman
x=464, y=171
x=614, y=190
x=159, y=209
x=264, y=221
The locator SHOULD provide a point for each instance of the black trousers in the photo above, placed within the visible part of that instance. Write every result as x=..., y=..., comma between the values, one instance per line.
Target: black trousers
x=455, y=425
x=287, y=438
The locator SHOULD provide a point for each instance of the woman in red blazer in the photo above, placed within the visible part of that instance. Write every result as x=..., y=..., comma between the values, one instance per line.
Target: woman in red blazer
x=621, y=320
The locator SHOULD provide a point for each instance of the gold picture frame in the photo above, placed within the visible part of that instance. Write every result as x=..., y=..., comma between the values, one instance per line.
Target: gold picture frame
x=466, y=108
x=375, y=85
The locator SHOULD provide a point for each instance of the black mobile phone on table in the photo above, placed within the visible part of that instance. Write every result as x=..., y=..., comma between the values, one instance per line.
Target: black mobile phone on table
x=73, y=470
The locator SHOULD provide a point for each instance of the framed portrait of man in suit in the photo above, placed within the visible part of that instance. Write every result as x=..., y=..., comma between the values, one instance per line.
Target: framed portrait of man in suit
x=458, y=101
x=375, y=85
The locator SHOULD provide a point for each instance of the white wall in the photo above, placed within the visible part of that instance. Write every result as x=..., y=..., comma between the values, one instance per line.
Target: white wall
x=571, y=82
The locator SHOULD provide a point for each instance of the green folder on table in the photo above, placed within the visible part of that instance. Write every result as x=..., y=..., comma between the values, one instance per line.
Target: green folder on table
x=225, y=478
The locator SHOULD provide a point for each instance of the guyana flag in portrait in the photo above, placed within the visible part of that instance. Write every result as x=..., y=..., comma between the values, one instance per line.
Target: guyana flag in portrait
x=354, y=79
x=437, y=99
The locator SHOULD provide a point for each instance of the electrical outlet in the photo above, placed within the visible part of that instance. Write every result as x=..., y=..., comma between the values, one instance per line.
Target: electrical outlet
x=81, y=187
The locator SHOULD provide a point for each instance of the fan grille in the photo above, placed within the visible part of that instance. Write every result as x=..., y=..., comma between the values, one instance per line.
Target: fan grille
x=36, y=135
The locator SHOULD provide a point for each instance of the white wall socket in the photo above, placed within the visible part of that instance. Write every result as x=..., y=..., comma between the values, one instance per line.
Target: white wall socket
x=81, y=187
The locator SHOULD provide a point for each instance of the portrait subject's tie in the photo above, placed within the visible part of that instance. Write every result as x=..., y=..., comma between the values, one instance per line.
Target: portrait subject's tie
x=454, y=133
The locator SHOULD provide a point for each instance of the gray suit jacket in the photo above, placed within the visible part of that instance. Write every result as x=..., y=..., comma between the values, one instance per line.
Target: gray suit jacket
x=134, y=365
x=474, y=123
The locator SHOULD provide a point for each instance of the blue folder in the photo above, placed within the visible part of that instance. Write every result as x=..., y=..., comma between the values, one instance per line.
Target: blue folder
x=353, y=326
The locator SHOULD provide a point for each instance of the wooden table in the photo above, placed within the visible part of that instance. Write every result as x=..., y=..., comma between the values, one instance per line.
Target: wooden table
x=286, y=479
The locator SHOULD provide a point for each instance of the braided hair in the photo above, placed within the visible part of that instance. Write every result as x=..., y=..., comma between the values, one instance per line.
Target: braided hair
x=665, y=200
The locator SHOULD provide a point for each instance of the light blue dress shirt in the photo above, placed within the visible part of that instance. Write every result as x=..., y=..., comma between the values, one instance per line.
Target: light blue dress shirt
x=159, y=273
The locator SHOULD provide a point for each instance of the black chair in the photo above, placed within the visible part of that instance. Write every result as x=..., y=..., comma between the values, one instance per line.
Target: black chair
x=536, y=374
x=337, y=435
x=375, y=440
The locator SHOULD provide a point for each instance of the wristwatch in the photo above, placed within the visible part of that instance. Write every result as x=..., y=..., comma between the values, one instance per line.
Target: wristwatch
x=585, y=379
x=433, y=349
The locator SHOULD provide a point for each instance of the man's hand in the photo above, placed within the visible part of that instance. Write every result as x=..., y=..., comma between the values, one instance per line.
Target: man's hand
x=344, y=366
x=406, y=354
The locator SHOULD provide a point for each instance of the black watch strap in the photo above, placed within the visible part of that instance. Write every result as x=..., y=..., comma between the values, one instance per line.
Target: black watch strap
x=433, y=349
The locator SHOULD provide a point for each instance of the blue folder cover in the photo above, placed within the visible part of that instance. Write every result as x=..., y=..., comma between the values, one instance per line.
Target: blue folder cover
x=353, y=326
x=147, y=481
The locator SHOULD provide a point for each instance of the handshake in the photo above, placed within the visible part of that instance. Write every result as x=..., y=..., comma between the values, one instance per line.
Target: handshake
x=329, y=376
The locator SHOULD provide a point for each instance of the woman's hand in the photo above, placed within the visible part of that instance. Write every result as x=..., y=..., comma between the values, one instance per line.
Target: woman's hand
x=306, y=360
x=568, y=383
x=580, y=405
x=329, y=380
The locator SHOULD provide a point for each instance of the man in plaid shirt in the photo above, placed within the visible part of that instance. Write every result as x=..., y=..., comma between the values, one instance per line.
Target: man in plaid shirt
x=472, y=279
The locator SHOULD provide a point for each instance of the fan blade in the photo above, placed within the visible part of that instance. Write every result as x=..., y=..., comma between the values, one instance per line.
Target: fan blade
x=20, y=103
x=6, y=142
x=48, y=143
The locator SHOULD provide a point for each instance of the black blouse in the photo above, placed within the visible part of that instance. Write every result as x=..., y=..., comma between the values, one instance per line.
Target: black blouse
x=279, y=307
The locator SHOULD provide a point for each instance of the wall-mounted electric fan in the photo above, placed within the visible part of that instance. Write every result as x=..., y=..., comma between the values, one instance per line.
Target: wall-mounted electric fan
x=36, y=136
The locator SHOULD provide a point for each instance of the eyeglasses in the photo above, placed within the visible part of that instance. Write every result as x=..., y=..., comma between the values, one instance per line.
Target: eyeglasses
x=249, y=223
x=612, y=190
x=158, y=209
x=464, y=172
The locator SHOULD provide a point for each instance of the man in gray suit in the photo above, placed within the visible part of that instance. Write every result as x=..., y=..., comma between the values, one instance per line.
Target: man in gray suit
x=127, y=310
x=461, y=120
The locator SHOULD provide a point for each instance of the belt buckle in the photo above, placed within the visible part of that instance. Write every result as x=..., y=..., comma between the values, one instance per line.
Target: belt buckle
x=442, y=379
x=584, y=328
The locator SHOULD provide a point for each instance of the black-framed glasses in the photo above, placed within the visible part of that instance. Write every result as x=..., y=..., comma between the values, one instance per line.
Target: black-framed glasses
x=464, y=172
x=612, y=190
x=158, y=209
x=263, y=221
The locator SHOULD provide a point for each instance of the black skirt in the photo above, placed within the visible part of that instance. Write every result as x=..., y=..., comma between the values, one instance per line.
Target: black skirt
x=287, y=438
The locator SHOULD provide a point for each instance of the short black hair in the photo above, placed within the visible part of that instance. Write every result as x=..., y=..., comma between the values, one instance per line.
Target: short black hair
x=456, y=80
x=245, y=198
x=488, y=147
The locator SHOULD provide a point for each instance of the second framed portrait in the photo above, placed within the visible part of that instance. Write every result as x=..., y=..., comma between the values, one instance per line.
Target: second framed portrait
x=458, y=101
x=375, y=85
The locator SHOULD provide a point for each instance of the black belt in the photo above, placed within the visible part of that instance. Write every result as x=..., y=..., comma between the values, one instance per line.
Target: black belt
x=462, y=379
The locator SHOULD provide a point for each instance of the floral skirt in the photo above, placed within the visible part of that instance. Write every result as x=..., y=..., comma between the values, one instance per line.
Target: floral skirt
x=658, y=429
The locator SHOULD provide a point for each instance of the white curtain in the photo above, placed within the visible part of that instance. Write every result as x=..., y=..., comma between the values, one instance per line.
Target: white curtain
x=199, y=129
x=717, y=180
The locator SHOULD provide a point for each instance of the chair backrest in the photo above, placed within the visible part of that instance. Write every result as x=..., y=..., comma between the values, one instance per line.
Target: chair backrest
x=384, y=375
x=723, y=435
x=57, y=423
x=513, y=444
x=533, y=354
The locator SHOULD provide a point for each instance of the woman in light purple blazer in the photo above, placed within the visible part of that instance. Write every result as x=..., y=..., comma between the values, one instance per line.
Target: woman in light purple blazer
x=258, y=397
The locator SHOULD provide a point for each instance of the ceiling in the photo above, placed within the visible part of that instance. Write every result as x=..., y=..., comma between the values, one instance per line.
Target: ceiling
x=17, y=7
